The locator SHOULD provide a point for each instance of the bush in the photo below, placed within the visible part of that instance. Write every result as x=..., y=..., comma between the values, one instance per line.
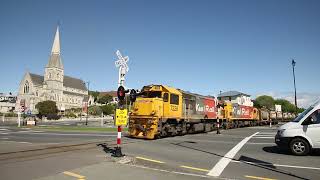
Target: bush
x=53, y=116
x=70, y=115
x=108, y=109
x=95, y=110
x=11, y=114
x=47, y=108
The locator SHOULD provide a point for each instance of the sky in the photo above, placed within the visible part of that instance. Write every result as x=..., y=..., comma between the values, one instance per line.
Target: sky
x=202, y=46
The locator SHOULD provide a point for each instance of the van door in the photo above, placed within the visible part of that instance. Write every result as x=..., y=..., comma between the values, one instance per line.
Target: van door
x=311, y=127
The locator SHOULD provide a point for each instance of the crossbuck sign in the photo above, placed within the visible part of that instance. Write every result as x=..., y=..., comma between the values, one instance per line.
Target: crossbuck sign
x=121, y=63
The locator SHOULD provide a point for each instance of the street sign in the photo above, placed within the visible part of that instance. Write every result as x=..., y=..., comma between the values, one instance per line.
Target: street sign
x=121, y=117
x=29, y=112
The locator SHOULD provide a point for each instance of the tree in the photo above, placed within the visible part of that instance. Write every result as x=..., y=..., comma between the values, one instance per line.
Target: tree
x=108, y=109
x=105, y=99
x=264, y=101
x=286, y=106
x=47, y=108
x=95, y=95
x=95, y=110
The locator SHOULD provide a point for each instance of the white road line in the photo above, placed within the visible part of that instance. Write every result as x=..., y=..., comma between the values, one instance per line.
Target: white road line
x=223, y=162
x=4, y=129
x=24, y=142
x=4, y=133
x=279, y=165
x=4, y=138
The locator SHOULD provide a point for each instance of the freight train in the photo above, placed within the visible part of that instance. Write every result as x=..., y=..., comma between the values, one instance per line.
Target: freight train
x=161, y=111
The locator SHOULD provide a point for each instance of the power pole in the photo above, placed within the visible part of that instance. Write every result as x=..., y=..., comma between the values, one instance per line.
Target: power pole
x=294, y=83
x=88, y=102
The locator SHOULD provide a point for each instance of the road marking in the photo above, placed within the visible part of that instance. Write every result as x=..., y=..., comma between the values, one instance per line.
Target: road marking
x=197, y=169
x=4, y=133
x=73, y=174
x=173, y=172
x=279, y=165
x=256, y=177
x=4, y=129
x=4, y=138
x=152, y=160
x=224, y=161
x=25, y=142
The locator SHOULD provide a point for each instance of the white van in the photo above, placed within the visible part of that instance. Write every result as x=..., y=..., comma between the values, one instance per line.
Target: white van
x=303, y=133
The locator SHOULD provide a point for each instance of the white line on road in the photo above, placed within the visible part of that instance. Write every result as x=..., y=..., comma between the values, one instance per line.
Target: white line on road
x=223, y=162
x=279, y=165
x=4, y=129
x=4, y=138
x=4, y=133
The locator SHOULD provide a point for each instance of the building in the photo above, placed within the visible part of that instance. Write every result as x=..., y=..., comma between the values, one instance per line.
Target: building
x=236, y=97
x=68, y=92
x=7, y=103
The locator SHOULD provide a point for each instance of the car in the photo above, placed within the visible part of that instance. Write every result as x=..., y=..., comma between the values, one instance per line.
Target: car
x=303, y=133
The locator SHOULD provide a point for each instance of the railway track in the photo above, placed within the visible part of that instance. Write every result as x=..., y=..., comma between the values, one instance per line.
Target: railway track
x=17, y=156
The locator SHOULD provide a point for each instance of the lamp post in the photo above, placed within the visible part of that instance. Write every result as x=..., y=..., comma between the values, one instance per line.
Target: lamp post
x=88, y=102
x=294, y=83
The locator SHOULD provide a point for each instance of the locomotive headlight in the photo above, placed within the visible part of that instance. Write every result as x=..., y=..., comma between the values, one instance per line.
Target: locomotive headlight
x=153, y=112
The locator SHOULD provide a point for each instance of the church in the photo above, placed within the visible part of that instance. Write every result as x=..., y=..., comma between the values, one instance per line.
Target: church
x=68, y=92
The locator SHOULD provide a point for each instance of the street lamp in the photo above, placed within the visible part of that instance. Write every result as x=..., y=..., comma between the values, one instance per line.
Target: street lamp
x=294, y=83
x=88, y=82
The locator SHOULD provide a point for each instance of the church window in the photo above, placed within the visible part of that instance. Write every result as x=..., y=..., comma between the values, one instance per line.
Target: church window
x=37, y=93
x=49, y=75
x=26, y=87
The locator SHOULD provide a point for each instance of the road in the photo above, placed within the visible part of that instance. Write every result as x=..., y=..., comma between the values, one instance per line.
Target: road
x=245, y=153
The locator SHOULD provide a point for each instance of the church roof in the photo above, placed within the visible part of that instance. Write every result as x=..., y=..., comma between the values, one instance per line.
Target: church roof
x=36, y=79
x=74, y=83
x=67, y=81
x=232, y=93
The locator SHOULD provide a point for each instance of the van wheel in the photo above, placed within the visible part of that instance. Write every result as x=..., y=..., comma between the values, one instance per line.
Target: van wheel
x=299, y=147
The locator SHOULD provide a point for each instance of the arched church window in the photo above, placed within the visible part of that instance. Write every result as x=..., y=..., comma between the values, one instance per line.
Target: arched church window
x=37, y=93
x=26, y=87
x=49, y=75
x=58, y=76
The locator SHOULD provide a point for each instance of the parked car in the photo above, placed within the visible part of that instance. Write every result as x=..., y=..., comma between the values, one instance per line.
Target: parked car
x=303, y=133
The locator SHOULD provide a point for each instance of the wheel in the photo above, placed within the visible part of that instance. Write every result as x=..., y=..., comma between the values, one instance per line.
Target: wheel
x=299, y=147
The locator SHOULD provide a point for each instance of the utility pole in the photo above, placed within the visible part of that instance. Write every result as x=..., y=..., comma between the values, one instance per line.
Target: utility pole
x=294, y=83
x=88, y=82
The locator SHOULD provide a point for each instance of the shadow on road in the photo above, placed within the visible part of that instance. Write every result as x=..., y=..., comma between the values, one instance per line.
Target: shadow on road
x=246, y=160
x=278, y=150
x=107, y=149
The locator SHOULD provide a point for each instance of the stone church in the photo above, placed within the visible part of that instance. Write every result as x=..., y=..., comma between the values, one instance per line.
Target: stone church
x=68, y=92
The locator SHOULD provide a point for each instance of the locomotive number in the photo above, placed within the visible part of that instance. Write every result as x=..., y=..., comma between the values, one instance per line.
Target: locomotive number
x=174, y=108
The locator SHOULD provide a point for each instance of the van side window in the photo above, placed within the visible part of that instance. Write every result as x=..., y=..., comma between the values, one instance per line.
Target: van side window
x=165, y=97
x=315, y=116
x=174, y=99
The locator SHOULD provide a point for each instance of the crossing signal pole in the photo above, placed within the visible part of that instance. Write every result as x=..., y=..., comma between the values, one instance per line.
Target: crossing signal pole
x=121, y=112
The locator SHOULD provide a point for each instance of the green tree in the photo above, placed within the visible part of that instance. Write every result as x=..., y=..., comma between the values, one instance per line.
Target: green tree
x=95, y=95
x=105, y=99
x=95, y=110
x=264, y=101
x=108, y=109
x=47, y=107
x=286, y=106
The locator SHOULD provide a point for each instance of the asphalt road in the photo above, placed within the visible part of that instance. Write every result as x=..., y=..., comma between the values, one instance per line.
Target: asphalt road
x=245, y=153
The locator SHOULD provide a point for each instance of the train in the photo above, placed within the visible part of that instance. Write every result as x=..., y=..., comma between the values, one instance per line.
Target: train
x=161, y=111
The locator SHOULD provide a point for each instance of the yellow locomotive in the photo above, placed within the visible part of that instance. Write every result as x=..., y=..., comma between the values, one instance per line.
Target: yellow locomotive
x=161, y=111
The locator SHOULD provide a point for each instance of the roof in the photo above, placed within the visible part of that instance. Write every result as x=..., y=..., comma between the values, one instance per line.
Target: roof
x=232, y=93
x=67, y=81
x=74, y=83
x=36, y=79
x=73, y=93
x=111, y=93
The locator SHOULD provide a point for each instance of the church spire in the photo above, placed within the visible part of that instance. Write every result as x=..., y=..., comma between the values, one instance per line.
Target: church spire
x=55, y=59
x=56, y=43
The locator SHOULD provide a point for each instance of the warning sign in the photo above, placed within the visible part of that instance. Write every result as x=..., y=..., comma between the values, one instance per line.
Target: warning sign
x=121, y=117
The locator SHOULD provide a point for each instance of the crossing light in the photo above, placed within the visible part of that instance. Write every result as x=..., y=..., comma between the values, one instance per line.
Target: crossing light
x=133, y=95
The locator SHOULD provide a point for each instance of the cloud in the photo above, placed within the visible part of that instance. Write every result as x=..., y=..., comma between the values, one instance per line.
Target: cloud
x=304, y=99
